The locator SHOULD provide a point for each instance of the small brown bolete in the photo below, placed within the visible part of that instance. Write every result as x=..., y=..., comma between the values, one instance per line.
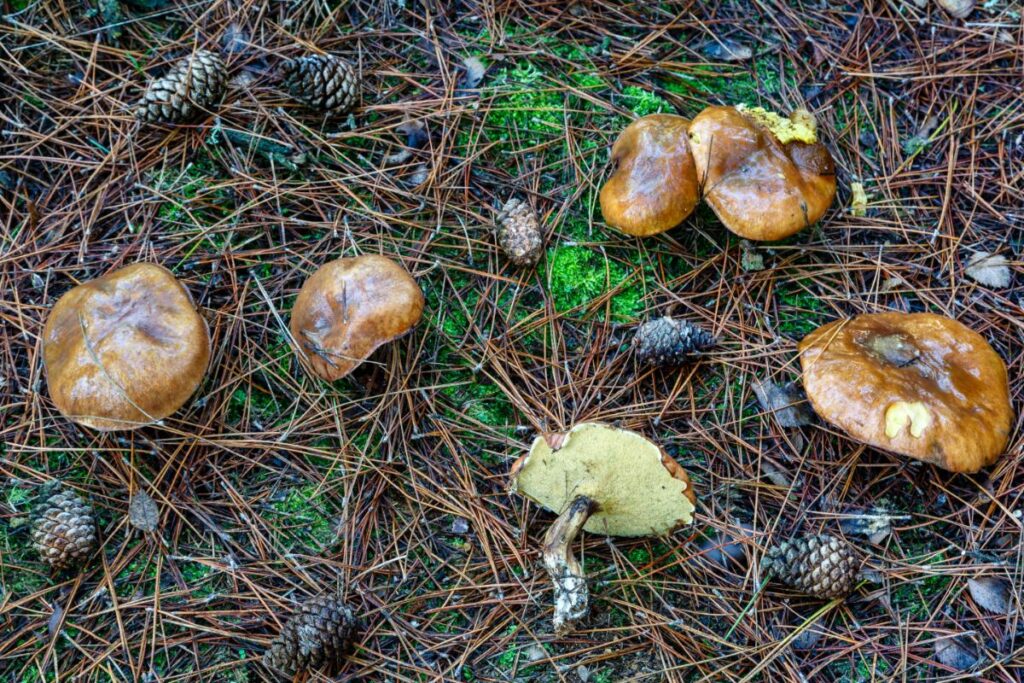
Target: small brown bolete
x=348, y=308
x=917, y=384
x=604, y=480
x=765, y=176
x=654, y=186
x=125, y=349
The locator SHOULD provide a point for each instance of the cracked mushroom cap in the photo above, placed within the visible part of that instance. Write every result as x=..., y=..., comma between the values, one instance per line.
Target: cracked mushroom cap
x=125, y=349
x=917, y=384
x=638, y=490
x=350, y=307
x=654, y=186
x=765, y=176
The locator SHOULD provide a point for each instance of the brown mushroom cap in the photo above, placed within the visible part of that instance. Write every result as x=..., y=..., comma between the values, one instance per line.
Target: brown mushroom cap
x=351, y=306
x=125, y=349
x=637, y=489
x=766, y=177
x=916, y=384
x=654, y=186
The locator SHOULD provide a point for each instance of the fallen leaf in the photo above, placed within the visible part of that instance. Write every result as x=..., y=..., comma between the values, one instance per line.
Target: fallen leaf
x=788, y=402
x=727, y=50
x=143, y=512
x=473, y=72
x=750, y=259
x=858, y=200
x=725, y=548
x=991, y=270
x=991, y=593
x=875, y=525
x=956, y=653
x=53, y=624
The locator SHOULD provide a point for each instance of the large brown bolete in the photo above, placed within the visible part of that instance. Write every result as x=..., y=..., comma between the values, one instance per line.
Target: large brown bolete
x=916, y=384
x=125, y=349
x=765, y=176
x=604, y=480
x=348, y=308
x=654, y=186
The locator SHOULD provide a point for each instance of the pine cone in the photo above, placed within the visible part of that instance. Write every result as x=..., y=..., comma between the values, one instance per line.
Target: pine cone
x=668, y=341
x=63, y=528
x=823, y=566
x=519, y=233
x=326, y=83
x=196, y=83
x=315, y=637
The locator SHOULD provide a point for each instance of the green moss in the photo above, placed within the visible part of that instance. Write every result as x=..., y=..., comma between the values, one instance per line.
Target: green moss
x=299, y=518
x=643, y=102
x=800, y=311
x=580, y=276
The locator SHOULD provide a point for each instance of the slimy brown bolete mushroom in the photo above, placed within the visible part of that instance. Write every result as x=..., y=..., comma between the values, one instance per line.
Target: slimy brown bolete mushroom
x=765, y=176
x=125, y=349
x=916, y=384
x=604, y=480
x=654, y=186
x=350, y=307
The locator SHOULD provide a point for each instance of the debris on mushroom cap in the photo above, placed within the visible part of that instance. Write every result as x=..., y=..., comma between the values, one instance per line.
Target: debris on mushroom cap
x=350, y=307
x=125, y=349
x=638, y=489
x=765, y=177
x=917, y=384
x=654, y=187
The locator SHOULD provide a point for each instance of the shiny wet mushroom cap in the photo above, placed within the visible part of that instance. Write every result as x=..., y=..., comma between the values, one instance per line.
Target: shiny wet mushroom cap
x=654, y=186
x=765, y=176
x=916, y=384
x=125, y=349
x=350, y=307
x=604, y=480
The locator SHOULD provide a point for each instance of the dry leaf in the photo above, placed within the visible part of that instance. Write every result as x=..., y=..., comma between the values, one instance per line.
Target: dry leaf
x=961, y=9
x=750, y=259
x=474, y=71
x=991, y=270
x=143, y=512
x=858, y=200
x=991, y=593
x=727, y=50
x=875, y=526
x=956, y=653
x=788, y=402
x=726, y=548
x=53, y=623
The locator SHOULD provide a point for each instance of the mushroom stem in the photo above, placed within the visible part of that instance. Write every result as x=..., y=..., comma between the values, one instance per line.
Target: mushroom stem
x=572, y=598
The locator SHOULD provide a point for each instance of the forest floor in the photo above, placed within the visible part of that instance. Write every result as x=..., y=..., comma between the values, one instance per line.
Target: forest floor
x=392, y=484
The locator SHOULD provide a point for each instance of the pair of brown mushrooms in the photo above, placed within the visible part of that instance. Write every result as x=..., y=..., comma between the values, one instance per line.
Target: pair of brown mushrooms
x=915, y=384
x=129, y=348
x=765, y=176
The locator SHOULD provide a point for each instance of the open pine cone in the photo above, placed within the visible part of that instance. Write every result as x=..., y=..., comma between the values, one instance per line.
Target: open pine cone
x=519, y=233
x=325, y=83
x=823, y=566
x=315, y=637
x=63, y=528
x=670, y=341
x=193, y=85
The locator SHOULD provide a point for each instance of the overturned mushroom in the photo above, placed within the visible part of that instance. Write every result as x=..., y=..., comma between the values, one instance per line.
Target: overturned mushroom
x=350, y=307
x=604, y=480
x=916, y=384
x=765, y=176
x=654, y=186
x=125, y=349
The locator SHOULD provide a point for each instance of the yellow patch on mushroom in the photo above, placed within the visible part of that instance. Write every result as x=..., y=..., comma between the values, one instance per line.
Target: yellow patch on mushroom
x=900, y=413
x=799, y=127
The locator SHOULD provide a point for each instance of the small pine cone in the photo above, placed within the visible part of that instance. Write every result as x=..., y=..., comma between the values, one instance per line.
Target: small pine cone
x=63, y=528
x=326, y=83
x=315, y=637
x=519, y=233
x=823, y=566
x=193, y=85
x=668, y=341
